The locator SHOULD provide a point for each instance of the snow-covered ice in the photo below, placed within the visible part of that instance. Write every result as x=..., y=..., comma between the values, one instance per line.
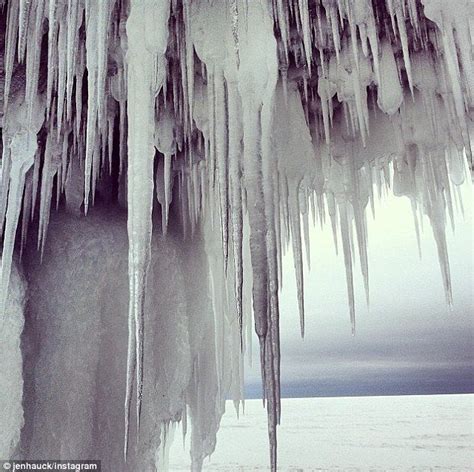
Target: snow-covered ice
x=351, y=434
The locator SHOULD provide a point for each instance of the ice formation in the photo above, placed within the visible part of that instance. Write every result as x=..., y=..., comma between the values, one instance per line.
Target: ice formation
x=245, y=120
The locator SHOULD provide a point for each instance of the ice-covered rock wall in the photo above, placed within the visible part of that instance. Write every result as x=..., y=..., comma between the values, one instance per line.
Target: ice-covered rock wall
x=11, y=376
x=226, y=124
x=75, y=345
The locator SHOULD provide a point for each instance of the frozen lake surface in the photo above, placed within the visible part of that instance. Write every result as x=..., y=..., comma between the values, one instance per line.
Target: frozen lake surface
x=400, y=433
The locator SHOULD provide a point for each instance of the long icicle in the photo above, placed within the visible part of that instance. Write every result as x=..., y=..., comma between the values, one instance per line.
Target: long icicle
x=147, y=26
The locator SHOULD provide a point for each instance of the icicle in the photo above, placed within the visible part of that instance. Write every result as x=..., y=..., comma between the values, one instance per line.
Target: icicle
x=305, y=23
x=256, y=210
x=434, y=204
x=23, y=17
x=51, y=165
x=5, y=182
x=165, y=143
x=297, y=248
x=346, y=246
x=33, y=56
x=91, y=62
x=235, y=29
x=417, y=225
x=255, y=83
x=97, y=14
x=52, y=14
x=306, y=235
x=283, y=26
x=26, y=209
x=167, y=177
x=10, y=47
x=404, y=40
x=22, y=153
x=390, y=93
x=61, y=80
x=34, y=192
x=146, y=26
x=326, y=91
x=268, y=179
x=374, y=45
x=19, y=155
x=164, y=185
x=74, y=15
x=221, y=151
x=235, y=194
x=332, y=215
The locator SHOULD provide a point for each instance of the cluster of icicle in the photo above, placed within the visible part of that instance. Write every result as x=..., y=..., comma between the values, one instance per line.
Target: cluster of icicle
x=252, y=114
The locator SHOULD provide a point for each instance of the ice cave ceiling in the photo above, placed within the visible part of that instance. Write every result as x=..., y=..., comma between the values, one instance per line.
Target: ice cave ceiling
x=242, y=121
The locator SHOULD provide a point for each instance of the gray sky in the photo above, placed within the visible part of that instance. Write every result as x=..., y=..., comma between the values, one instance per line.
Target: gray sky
x=407, y=341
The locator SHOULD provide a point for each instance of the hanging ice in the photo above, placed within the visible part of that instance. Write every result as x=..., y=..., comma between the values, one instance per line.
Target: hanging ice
x=243, y=118
x=146, y=75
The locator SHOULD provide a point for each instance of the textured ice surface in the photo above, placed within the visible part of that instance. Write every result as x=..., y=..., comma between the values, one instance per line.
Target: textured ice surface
x=11, y=377
x=75, y=344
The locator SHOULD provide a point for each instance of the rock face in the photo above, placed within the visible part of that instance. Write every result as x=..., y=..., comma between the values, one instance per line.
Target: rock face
x=236, y=122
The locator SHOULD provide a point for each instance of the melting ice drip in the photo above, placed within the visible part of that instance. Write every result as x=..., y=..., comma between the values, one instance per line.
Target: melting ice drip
x=247, y=116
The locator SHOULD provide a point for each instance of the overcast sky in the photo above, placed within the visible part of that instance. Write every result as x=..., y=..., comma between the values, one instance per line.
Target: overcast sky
x=407, y=342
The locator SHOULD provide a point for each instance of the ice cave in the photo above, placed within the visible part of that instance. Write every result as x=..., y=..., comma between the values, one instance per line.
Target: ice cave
x=158, y=159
